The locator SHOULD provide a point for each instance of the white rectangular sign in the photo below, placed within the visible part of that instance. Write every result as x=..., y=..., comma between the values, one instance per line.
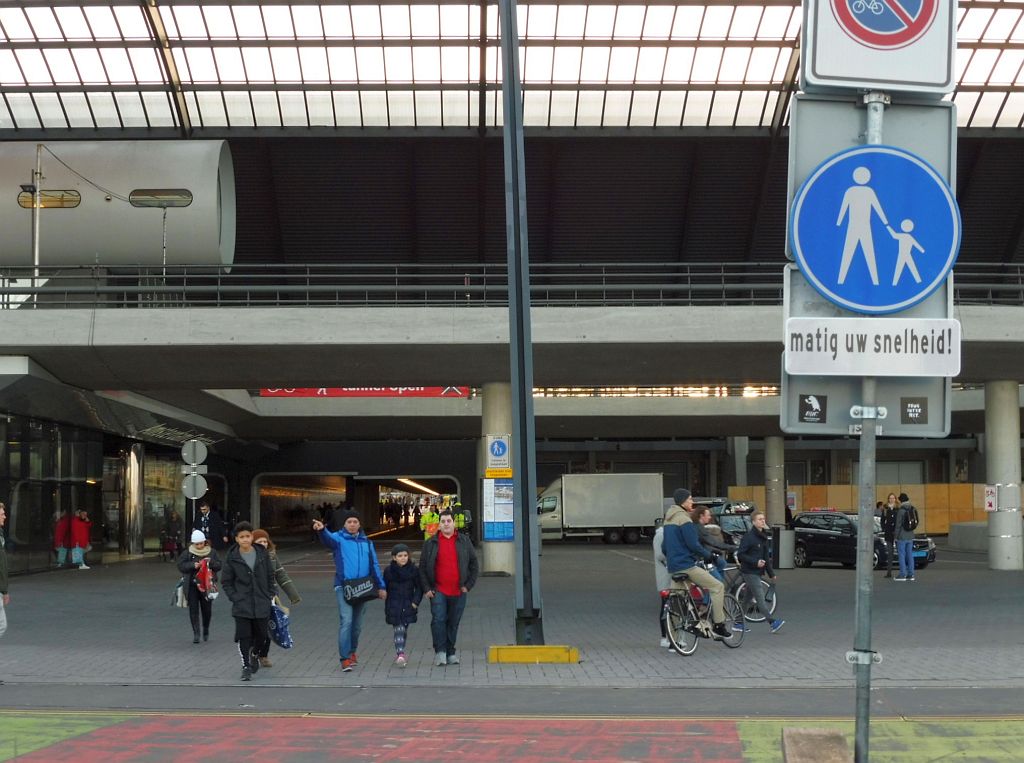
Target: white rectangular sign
x=886, y=45
x=872, y=346
x=990, y=497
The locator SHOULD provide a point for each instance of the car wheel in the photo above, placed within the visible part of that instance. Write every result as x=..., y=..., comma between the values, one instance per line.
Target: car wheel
x=632, y=536
x=613, y=536
x=874, y=561
x=800, y=558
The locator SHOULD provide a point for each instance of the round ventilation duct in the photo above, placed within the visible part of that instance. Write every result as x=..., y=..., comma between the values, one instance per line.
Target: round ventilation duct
x=104, y=202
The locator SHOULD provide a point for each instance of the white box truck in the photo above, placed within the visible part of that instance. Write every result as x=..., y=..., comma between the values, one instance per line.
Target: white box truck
x=616, y=507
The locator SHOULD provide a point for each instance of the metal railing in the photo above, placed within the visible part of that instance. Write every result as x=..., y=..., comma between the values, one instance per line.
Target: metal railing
x=439, y=285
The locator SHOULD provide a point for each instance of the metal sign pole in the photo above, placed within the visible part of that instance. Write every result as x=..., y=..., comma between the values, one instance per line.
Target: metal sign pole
x=528, y=625
x=862, y=654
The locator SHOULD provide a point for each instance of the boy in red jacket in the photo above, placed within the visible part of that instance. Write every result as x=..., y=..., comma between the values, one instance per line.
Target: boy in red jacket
x=80, y=526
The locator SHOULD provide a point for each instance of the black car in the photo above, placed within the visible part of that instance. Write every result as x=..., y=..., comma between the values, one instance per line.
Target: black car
x=831, y=536
x=734, y=526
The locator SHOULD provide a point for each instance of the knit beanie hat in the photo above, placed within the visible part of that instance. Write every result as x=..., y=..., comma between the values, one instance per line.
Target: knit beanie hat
x=257, y=534
x=198, y=536
x=680, y=495
x=399, y=548
x=348, y=515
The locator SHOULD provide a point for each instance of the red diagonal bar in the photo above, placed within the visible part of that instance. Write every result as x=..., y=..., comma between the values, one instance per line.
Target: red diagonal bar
x=901, y=13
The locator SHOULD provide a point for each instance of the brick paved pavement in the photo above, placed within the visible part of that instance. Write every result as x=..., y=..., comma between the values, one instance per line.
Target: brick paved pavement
x=958, y=625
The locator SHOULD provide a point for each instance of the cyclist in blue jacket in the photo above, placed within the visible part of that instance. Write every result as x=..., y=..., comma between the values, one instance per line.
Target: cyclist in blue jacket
x=683, y=550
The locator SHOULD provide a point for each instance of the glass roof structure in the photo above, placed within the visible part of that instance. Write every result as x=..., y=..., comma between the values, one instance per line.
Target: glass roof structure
x=203, y=68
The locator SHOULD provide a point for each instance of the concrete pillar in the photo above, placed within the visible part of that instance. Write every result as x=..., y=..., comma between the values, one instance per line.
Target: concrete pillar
x=775, y=480
x=713, y=473
x=496, y=418
x=738, y=448
x=1002, y=467
x=133, y=499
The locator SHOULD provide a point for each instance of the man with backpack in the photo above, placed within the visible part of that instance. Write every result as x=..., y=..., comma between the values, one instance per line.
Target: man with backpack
x=906, y=524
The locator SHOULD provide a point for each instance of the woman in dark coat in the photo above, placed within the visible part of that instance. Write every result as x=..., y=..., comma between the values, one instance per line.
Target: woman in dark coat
x=284, y=582
x=405, y=592
x=198, y=602
x=248, y=580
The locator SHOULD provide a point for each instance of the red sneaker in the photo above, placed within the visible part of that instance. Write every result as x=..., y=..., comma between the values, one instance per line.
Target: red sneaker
x=346, y=666
x=353, y=658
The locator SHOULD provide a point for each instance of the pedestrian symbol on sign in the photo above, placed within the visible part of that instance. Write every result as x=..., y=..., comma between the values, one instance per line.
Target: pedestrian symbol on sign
x=498, y=448
x=875, y=229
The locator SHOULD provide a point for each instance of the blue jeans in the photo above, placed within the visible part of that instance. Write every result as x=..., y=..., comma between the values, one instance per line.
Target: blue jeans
x=445, y=614
x=351, y=623
x=905, y=553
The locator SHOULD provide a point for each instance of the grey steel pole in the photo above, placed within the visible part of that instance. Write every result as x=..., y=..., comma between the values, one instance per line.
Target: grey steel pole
x=37, y=201
x=862, y=656
x=528, y=623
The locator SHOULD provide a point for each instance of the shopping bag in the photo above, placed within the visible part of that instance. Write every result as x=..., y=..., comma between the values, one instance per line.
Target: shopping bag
x=279, y=624
x=178, y=599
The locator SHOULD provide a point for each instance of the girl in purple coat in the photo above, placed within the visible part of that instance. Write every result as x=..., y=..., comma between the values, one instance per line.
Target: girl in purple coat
x=405, y=593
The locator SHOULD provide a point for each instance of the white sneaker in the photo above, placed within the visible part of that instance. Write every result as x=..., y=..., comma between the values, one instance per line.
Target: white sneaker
x=665, y=643
x=453, y=659
x=400, y=660
x=84, y=567
x=440, y=659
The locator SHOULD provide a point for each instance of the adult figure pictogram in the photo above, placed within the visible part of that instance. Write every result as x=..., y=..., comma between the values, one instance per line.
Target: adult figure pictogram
x=858, y=203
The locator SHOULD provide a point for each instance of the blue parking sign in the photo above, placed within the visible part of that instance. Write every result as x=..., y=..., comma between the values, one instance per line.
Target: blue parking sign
x=875, y=229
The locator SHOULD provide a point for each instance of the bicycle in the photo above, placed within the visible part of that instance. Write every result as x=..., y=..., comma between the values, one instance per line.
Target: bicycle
x=688, y=619
x=875, y=6
x=737, y=586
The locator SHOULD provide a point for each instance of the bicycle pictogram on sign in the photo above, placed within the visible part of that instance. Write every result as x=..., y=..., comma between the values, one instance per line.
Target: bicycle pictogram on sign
x=885, y=24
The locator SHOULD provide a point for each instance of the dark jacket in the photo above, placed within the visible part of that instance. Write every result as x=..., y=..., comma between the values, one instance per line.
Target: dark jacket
x=3, y=563
x=711, y=537
x=683, y=547
x=250, y=591
x=469, y=567
x=215, y=529
x=404, y=590
x=901, y=532
x=187, y=566
x=754, y=547
x=889, y=522
x=284, y=581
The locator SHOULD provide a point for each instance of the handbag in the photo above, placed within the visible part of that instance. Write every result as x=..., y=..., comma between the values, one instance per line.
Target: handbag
x=178, y=598
x=279, y=627
x=360, y=589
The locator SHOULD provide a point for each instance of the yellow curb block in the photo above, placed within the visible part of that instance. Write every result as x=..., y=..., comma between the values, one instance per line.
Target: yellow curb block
x=531, y=655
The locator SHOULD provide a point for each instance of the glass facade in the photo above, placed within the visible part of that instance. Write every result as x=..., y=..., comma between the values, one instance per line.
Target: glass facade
x=46, y=469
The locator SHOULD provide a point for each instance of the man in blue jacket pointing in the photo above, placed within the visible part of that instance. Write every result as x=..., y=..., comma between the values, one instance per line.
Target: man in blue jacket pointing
x=682, y=551
x=355, y=562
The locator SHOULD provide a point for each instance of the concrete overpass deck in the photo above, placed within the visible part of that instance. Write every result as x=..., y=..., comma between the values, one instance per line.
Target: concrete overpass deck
x=195, y=364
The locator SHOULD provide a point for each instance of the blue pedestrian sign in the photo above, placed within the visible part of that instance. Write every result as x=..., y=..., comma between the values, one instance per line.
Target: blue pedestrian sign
x=875, y=229
x=499, y=448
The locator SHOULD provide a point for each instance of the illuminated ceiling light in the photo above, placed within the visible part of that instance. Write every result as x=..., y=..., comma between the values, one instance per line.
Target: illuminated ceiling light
x=418, y=486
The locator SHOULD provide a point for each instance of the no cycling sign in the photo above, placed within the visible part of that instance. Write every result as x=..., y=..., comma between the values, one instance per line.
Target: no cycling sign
x=888, y=45
x=885, y=24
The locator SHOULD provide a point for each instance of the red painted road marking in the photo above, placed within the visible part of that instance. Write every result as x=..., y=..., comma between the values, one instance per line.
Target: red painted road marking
x=401, y=738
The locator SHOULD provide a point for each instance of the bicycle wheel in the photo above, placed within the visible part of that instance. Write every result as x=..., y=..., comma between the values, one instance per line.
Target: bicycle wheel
x=679, y=622
x=750, y=610
x=733, y=617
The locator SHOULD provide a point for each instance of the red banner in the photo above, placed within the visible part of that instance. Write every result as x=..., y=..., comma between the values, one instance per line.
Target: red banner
x=367, y=392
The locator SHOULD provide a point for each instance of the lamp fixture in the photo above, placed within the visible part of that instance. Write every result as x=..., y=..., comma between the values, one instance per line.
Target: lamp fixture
x=418, y=486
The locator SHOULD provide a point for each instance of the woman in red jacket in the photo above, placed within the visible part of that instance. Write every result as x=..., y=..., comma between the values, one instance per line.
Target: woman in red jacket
x=80, y=526
x=62, y=538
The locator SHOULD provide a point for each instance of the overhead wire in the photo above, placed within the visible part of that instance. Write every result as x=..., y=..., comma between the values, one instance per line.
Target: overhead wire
x=94, y=184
